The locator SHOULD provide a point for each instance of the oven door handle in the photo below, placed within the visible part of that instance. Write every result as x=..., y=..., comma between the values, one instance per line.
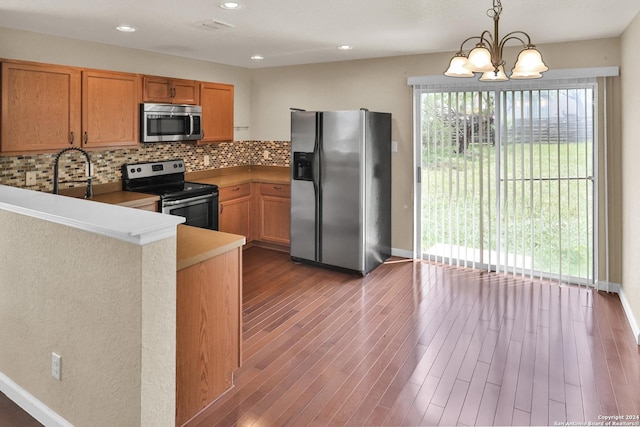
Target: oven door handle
x=188, y=200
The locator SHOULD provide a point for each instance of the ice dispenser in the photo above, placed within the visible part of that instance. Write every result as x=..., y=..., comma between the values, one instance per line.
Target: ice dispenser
x=302, y=166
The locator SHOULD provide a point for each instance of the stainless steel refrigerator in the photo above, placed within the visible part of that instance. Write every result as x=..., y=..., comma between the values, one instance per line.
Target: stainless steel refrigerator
x=341, y=188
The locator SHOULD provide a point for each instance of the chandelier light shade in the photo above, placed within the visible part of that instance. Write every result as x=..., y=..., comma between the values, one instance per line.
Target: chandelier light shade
x=457, y=67
x=493, y=76
x=486, y=56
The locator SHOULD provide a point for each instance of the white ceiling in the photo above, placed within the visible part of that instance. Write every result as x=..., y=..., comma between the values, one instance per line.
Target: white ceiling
x=288, y=32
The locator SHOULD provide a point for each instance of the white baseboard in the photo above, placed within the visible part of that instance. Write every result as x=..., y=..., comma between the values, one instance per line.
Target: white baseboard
x=403, y=253
x=630, y=316
x=618, y=289
x=602, y=285
x=30, y=404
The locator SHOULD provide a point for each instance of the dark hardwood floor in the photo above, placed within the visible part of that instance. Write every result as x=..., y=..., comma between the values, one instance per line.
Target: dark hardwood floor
x=11, y=415
x=421, y=344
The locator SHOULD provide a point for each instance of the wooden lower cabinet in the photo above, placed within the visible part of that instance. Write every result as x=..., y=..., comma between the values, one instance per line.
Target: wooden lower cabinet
x=235, y=210
x=274, y=213
x=208, y=331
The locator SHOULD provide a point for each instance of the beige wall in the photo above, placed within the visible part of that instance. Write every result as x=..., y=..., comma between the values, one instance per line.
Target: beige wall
x=28, y=46
x=630, y=42
x=381, y=84
x=83, y=296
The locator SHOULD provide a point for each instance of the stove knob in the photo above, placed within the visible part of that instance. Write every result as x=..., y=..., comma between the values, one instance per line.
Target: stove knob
x=139, y=169
x=133, y=170
x=175, y=165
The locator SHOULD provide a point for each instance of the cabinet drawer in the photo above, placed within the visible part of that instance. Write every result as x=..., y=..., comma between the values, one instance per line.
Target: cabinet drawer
x=276, y=190
x=235, y=191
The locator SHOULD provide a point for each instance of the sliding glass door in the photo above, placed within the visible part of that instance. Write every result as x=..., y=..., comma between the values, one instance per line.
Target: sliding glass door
x=507, y=179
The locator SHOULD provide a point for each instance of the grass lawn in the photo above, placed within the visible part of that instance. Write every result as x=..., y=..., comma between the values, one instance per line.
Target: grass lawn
x=532, y=207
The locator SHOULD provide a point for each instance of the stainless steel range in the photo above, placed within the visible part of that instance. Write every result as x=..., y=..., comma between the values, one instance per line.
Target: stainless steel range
x=198, y=203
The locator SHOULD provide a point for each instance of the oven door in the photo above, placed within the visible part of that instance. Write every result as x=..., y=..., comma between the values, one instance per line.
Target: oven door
x=200, y=211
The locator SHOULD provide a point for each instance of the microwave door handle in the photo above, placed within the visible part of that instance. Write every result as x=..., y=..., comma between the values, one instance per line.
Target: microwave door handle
x=190, y=124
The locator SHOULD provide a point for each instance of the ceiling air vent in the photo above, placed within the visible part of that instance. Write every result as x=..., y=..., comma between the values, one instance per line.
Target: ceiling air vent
x=214, y=25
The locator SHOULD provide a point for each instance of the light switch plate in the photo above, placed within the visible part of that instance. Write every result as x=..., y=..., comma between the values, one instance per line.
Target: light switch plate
x=394, y=146
x=56, y=366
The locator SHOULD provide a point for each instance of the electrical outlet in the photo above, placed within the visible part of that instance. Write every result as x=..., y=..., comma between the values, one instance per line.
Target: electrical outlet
x=56, y=365
x=394, y=146
x=266, y=154
x=30, y=179
x=206, y=160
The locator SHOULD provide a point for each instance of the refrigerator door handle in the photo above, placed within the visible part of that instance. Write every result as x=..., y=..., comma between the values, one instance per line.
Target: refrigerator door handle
x=317, y=188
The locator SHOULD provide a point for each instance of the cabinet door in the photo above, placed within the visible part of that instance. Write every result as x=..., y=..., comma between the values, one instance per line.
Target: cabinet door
x=217, y=112
x=110, y=109
x=208, y=331
x=275, y=213
x=40, y=107
x=185, y=92
x=157, y=89
x=167, y=90
x=235, y=217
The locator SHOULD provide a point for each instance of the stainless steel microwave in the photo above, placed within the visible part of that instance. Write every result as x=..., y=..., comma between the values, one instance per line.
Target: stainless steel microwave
x=170, y=122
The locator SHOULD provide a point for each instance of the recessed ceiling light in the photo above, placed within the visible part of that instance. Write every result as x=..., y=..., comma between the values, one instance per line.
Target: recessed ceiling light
x=345, y=47
x=125, y=28
x=257, y=57
x=230, y=5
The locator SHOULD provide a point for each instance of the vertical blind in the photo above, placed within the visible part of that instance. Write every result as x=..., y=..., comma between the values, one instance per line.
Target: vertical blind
x=507, y=176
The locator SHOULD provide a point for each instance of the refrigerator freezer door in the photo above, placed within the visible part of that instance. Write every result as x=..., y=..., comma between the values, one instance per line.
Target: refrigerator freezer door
x=304, y=186
x=342, y=213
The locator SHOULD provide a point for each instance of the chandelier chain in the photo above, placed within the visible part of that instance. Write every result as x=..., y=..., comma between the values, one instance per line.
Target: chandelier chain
x=496, y=10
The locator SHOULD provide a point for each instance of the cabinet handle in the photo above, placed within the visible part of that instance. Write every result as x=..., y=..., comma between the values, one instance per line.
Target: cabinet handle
x=86, y=138
x=71, y=139
x=235, y=189
x=173, y=92
x=277, y=187
x=221, y=209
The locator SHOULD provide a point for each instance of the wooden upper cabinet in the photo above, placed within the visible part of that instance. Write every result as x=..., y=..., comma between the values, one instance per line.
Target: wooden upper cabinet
x=217, y=112
x=172, y=91
x=40, y=107
x=110, y=109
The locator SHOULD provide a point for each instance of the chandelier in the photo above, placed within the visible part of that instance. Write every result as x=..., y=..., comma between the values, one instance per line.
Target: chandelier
x=486, y=56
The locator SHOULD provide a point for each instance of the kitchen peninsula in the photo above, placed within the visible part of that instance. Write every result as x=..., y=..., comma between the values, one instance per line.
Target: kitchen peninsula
x=96, y=284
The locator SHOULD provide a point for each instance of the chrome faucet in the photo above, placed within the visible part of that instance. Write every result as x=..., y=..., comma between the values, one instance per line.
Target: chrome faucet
x=89, y=191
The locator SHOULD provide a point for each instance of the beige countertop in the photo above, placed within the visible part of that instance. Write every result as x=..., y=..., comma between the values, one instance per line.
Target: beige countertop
x=126, y=198
x=112, y=193
x=241, y=175
x=196, y=245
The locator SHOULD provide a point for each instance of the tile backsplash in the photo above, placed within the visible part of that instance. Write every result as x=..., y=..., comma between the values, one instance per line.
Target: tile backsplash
x=106, y=165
